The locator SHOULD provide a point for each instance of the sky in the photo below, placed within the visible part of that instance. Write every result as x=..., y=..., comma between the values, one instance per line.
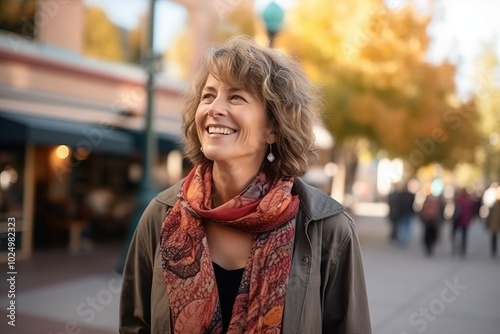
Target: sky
x=458, y=30
x=170, y=17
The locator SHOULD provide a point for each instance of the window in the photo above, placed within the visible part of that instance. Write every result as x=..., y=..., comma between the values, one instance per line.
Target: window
x=18, y=16
x=11, y=183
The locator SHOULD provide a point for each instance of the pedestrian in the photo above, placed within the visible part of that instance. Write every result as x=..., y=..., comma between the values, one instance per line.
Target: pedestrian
x=393, y=215
x=401, y=213
x=405, y=217
x=493, y=222
x=466, y=209
x=242, y=244
x=431, y=216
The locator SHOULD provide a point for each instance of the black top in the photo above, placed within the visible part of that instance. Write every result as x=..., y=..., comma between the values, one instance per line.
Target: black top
x=228, y=283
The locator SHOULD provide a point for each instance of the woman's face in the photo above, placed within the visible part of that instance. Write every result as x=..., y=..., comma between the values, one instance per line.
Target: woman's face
x=232, y=126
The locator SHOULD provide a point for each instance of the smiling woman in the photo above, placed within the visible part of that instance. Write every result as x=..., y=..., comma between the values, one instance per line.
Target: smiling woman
x=274, y=86
x=242, y=245
x=234, y=131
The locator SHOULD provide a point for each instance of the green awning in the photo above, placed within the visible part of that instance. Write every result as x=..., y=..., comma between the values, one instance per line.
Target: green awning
x=19, y=129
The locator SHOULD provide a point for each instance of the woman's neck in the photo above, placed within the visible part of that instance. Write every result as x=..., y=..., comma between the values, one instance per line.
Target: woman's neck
x=230, y=181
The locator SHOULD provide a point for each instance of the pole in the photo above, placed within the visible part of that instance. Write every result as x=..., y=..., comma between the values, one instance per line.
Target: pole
x=273, y=16
x=149, y=142
x=149, y=149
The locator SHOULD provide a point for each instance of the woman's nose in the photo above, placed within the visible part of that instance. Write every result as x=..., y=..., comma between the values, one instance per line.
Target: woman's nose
x=218, y=107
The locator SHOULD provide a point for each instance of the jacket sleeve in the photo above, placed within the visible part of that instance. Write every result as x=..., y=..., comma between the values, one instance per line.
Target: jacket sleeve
x=135, y=299
x=345, y=304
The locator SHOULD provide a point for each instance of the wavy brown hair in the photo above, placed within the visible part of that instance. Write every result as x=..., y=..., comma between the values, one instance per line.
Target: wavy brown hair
x=291, y=101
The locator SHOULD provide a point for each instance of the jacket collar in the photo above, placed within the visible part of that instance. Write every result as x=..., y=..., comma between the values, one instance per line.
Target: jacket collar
x=315, y=204
x=169, y=196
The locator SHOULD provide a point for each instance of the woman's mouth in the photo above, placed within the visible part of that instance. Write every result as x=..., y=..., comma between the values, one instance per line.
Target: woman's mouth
x=220, y=130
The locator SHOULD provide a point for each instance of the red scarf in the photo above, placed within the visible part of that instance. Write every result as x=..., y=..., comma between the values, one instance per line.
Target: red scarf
x=265, y=209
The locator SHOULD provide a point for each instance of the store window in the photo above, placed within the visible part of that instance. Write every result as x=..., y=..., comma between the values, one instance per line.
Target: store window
x=11, y=196
x=18, y=16
x=11, y=183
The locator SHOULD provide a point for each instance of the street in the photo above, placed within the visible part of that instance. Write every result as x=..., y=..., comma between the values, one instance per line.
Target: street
x=412, y=293
x=59, y=292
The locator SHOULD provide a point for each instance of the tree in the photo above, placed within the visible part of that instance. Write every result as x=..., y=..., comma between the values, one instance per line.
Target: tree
x=232, y=20
x=179, y=57
x=370, y=63
x=102, y=37
x=487, y=96
x=240, y=20
x=136, y=40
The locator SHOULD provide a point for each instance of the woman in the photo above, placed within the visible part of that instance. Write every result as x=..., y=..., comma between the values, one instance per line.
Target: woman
x=242, y=245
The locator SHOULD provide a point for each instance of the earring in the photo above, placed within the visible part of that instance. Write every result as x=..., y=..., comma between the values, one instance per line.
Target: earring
x=270, y=156
x=201, y=148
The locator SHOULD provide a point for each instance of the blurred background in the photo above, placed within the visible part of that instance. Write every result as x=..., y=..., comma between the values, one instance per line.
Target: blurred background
x=90, y=129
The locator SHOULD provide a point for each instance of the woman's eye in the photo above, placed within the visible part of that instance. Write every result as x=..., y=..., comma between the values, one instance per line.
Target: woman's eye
x=207, y=96
x=236, y=97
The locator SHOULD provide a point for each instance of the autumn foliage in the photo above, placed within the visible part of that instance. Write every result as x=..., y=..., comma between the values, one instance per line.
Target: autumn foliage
x=370, y=62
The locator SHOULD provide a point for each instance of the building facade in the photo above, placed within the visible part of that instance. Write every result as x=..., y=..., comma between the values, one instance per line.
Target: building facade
x=71, y=133
x=72, y=127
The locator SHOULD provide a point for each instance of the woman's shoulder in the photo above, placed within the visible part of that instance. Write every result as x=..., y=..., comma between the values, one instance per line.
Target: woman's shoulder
x=324, y=211
x=168, y=196
x=316, y=204
x=153, y=216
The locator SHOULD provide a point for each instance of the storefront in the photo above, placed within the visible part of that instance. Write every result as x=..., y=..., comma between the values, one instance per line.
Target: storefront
x=62, y=180
x=71, y=146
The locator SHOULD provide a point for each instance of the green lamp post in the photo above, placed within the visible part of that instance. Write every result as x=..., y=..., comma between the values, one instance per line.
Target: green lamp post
x=149, y=142
x=273, y=16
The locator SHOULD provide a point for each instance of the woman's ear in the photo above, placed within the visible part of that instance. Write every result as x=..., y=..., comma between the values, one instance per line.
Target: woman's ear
x=271, y=136
x=275, y=129
x=271, y=139
x=268, y=135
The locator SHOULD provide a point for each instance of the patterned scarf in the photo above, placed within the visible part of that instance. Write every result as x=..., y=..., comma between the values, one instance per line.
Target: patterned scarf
x=266, y=210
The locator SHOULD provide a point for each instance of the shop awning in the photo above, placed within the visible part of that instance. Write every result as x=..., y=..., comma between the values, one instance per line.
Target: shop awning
x=18, y=129
x=166, y=142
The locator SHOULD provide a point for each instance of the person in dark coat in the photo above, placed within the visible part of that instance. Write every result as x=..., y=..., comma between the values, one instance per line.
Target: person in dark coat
x=401, y=213
x=493, y=223
x=431, y=216
x=466, y=209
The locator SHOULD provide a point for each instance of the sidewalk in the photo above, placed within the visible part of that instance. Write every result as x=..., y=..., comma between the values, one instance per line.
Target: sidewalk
x=62, y=293
x=57, y=292
x=411, y=293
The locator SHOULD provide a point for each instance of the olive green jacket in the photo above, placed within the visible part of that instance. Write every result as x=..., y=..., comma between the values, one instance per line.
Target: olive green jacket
x=326, y=290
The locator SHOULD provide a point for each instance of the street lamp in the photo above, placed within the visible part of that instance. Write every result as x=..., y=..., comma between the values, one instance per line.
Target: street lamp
x=149, y=137
x=149, y=141
x=273, y=16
